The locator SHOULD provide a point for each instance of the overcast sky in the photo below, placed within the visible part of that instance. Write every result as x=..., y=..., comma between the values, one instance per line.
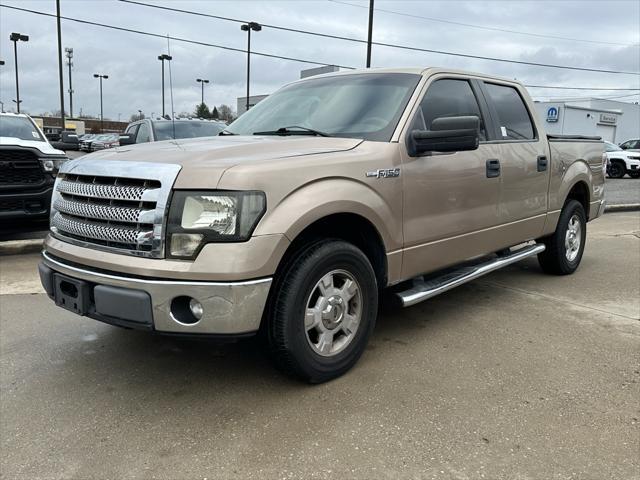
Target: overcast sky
x=131, y=62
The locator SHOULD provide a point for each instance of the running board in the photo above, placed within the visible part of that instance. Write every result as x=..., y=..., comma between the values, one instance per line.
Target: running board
x=425, y=289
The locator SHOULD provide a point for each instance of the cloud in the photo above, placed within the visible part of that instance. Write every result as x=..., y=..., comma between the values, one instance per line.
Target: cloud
x=134, y=83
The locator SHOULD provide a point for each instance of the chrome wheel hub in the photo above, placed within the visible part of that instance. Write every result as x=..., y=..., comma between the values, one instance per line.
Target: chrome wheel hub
x=333, y=313
x=573, y=238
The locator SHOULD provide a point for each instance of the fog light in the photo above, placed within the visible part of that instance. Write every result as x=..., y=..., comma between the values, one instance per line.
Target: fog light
x=186, y=310
x=196, y=308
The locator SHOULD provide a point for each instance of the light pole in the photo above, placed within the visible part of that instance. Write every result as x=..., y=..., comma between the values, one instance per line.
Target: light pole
x=202, y=81
x=69, y=55
x=100, y=76
x=247, y=27
x=15, y=38
x=162, y=58
x=1, y=103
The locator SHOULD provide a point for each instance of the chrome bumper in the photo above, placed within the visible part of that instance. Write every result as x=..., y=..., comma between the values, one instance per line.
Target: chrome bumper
x=228, y=307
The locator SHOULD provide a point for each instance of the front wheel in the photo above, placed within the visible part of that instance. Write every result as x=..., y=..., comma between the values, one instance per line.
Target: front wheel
x=564, y=248
x=323, y=312
x=617, y=169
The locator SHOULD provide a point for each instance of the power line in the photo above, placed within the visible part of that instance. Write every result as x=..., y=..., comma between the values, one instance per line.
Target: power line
x=312, y=62
x=390, y=45
x=584, y=88
x=484, y=27
x=177, y=39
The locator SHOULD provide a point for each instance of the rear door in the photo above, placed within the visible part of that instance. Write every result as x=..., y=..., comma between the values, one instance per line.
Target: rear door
x=522, y=149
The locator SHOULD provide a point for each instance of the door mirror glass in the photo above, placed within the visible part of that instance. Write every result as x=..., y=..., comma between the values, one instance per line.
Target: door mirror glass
x=447, y=134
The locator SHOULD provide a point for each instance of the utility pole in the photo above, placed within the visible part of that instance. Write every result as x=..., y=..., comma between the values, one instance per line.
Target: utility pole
x=370, y=36
x=162, y=58
x=60, y=67
x=247, y=27
x=15, y=38
x=69, y=53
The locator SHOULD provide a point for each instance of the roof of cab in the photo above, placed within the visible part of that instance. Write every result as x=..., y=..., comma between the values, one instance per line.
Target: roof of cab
x=412, y=70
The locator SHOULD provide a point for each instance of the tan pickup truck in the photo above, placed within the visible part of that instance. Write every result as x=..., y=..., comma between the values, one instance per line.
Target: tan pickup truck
x=295, y=218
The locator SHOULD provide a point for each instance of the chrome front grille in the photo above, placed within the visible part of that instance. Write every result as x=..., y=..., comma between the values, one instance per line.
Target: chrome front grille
x=125, y=214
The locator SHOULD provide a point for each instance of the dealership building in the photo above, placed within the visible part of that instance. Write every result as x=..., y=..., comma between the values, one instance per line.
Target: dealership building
x=612, y=120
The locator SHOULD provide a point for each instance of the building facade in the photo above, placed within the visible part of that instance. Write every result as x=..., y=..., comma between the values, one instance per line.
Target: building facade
x=612, y=120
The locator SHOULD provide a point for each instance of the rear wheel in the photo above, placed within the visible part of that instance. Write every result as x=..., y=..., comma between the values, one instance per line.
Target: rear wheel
x=565, y=247
x=323, y=312
x=617, y=169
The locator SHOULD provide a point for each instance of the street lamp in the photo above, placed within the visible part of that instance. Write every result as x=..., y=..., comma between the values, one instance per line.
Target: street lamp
x=162, y=58
x=202, y=82
x=69, y=55
x=100, y=76
x=15, y=38
x=247, y=27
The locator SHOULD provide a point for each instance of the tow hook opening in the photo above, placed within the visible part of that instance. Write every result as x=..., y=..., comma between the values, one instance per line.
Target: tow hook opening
x=69, y=289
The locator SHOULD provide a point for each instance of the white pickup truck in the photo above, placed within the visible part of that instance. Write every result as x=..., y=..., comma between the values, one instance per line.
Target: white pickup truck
x=28, y=164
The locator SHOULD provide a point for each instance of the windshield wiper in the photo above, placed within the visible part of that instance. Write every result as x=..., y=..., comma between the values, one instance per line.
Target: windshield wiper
x=224, y=132
x=287, y=131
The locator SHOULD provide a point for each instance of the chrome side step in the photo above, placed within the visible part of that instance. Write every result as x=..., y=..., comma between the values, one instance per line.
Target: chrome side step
x=425, y=289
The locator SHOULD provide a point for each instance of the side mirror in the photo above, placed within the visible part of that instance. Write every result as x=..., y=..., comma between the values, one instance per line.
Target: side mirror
x=447, y=134
x=127, y=139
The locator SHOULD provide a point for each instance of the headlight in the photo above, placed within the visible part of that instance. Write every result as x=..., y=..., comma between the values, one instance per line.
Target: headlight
x=197, y=218
x=52, y=164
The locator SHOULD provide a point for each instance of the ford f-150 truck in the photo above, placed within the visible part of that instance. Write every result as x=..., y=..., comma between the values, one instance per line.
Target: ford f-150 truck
x=298, y=215
x=28, y=164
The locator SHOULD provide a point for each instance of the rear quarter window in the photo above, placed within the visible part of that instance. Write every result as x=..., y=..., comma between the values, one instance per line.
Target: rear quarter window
x=514, y=121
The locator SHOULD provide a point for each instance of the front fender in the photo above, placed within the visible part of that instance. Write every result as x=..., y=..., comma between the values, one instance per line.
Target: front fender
x=321, y=198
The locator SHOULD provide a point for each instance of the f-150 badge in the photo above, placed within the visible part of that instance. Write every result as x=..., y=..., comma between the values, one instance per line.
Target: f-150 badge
x=384, y=173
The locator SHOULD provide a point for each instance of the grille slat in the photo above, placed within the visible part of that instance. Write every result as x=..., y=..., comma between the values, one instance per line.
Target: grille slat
x=99, y=231
x=111, y=192
x=104, y=212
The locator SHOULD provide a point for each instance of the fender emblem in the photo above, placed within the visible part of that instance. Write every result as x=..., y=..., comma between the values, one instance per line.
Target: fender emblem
x=384, y=173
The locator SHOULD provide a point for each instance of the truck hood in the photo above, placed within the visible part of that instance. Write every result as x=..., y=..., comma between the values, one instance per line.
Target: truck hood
x=42, y=147
x=209, y=157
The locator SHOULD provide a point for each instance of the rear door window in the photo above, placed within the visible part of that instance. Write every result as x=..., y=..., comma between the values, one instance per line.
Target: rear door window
x=448, y=98
x=514, y=121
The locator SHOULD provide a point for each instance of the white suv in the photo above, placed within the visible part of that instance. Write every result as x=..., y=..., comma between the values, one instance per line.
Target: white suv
x=621, y=162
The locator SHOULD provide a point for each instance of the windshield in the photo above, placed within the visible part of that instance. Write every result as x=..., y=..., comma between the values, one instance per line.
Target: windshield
x=366, y=106
x=610, y=147
x=163, y=129
x=19, y=127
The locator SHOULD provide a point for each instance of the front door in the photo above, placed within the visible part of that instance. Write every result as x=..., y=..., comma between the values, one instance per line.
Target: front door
x=450, y=205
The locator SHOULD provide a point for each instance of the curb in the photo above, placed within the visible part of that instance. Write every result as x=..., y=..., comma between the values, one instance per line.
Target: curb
x=623, y=207
x=19, y=247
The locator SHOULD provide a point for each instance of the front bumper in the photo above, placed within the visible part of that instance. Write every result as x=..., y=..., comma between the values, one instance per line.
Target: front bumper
x=26, y=204
x=229, y=308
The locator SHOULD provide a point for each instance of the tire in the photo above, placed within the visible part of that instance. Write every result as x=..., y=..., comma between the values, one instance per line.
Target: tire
x=634, y=174
x=323, y=311
x=617, y=169
x=562, y=255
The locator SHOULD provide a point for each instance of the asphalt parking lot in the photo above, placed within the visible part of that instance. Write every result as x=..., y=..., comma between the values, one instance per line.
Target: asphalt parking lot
x=517, y=375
